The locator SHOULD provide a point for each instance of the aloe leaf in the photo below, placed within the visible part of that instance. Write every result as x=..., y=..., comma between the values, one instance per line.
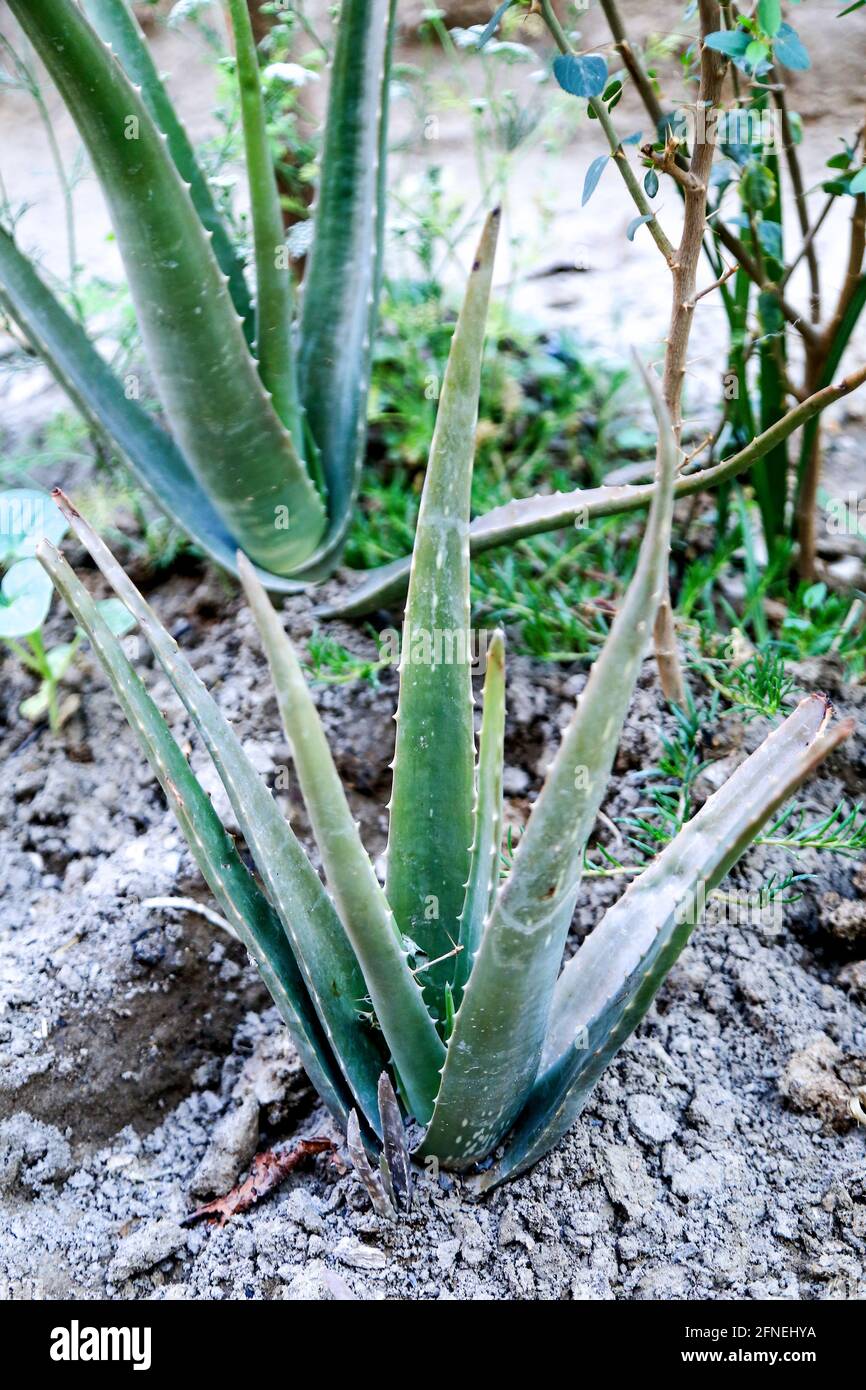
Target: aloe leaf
x=158, y=465
x=309, y=918
x=382, y=1204
x=430, y=831
x=116, y=24
x=395, y=1150
x=341, y=281
x=607, y=987
x=364, y=911
x=222, y=419
x=484, y=862
x=240, y=900
x=495, y=1048
x=275, y=295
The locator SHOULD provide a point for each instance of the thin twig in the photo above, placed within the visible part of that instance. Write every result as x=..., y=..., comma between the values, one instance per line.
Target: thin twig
x=798, y=186
x=729, y=271
x=620, y=158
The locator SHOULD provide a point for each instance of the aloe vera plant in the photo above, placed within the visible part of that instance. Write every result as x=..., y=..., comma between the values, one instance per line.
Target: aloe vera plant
x=448, y=976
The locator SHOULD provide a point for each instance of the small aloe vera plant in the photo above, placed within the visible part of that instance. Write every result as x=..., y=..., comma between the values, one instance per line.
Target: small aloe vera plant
x=448, y=978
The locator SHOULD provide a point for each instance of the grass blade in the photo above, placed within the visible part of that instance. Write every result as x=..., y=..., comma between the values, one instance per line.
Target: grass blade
x=240, y=900
x=430, y=829
x=495, y=1048
x=364, y=911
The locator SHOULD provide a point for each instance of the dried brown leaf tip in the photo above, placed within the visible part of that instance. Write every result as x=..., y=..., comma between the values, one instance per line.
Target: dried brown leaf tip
x=268, y=1171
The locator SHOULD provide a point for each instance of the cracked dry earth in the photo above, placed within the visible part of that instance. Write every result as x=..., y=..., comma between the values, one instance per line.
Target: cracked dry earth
x=141, y=1066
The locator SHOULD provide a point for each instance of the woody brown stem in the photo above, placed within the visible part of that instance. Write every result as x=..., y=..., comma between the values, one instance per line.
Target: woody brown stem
x=799, y=202
x=684, y=270
x=816, y=363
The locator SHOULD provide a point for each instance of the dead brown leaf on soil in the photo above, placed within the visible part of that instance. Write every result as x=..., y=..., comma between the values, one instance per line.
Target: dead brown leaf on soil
x=267, y=1172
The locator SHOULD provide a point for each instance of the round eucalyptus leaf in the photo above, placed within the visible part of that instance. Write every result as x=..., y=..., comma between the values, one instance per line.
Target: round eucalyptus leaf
x=789, y=49
x=757, y=187
x=581, y=77
x=26, y=515
x=25, y=598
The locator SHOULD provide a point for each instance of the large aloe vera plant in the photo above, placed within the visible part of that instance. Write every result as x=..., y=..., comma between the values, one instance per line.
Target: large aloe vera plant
x=265, y=401
x=449, y=975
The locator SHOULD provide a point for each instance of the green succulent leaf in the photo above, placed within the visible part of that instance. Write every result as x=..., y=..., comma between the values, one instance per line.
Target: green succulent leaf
x=275, y=294
x=396, y=997
x=431, y=801
x=159, y=467
x=484, y=862
x=308, y=916
x=495, y=1048
x=341, y=284
x=223, y=421
x=116, y=24
x=240, y=900
x=606, y=988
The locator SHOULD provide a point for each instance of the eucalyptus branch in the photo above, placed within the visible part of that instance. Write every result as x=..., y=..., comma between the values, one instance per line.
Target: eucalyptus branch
x=632, y=63
x=809, y=240
x=717, y=284
x=738, y=250
x=601, y=113
x=853, y=272
x=798, y=186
